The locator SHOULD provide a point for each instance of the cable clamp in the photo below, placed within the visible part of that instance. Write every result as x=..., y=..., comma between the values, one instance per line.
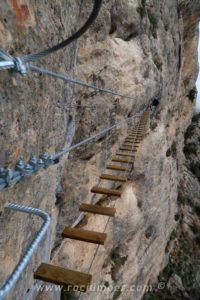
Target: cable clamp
x=20, y=67
x=8, y=61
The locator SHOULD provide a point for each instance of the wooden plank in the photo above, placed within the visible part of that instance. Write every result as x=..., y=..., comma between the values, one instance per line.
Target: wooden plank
x=132, y=146
x=125, y=154
x=136, y=132
x=129, y=142
x=143, y=123
x=84, y=235
x=97, y=209
x=127, y=149
x=104, y=191
x=118, y=168
x=132, y=139
x=62, y=276
x=121, y=160
x=130, y=130
x=113, y=177
x=134, y=135
x=140, y=128
x=135, y=143
x=139, y=125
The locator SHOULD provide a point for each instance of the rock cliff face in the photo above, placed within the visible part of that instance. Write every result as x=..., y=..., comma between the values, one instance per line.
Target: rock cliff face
x=181, y=275
x=140, y=48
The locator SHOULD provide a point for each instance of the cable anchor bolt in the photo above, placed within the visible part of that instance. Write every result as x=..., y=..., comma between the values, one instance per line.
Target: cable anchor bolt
x=47, y=159
x=6, y=175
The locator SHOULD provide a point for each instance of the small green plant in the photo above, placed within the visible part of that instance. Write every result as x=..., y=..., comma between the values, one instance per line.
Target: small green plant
x=195, y=169
x=195, y=228
x=67, y=295
x=143, y=3
x=190, y=149
x=118, y=262
x=153, y=20
x=142, y=9
x=181, y=199
x=192, y=94
x=195, y=118
x=177, y=217
x=189, y=131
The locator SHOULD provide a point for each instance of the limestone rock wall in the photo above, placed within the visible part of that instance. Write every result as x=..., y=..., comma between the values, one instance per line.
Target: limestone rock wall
x=139, y=48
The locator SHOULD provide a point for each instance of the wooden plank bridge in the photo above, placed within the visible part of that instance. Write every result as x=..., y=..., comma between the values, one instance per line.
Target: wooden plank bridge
x=126, y=155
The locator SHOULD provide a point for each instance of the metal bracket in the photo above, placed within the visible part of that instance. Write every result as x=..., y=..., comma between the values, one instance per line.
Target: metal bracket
x=20, y=165
x=6, y=175
x=24, y=169
x=47, y=159
x=10, y=62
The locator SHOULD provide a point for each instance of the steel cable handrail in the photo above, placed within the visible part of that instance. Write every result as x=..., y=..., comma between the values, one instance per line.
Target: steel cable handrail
x=15, y=62
x=12, y=177
x=75, y=36
x=19, y=64
x=109, y=218
x=12, y=279
x=44, y=71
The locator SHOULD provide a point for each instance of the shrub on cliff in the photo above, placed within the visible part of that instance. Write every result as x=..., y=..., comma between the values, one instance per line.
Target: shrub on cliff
x=195, y=169
x=192, y=94
x=190, y=149
x=142, y=9
x=153, y=20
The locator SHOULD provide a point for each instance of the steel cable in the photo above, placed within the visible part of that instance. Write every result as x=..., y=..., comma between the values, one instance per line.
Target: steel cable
x=75, y=36
x=16, y=176
x=75, y=81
